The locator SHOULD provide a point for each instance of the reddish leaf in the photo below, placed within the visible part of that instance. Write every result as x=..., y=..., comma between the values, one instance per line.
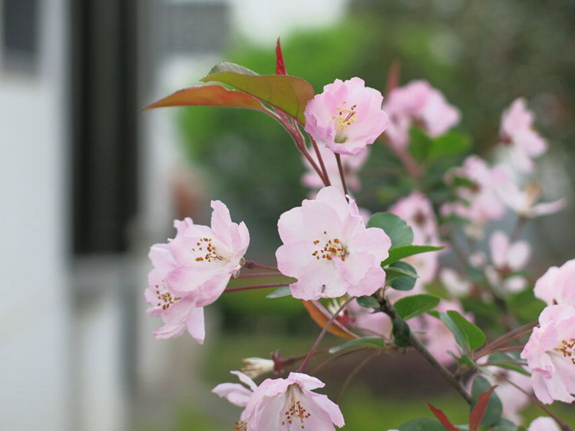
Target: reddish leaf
x=393, y=77
x=320, y=316
x=208, y=95
x=280, y=64
x=287, y=93
x=442, y=418
x=476, y=415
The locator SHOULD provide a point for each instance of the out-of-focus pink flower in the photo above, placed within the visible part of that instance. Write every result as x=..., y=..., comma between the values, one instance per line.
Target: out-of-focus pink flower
x=550, y=355
x=525, y=202
x=513, y=399
x=557, y=286
x=351, y=166
x=518, y=133
x=346, y=117
x=480, y=202
x=417, y=211
x=544, y=423
x=455, y=283
x=327, y=247
x=436, y=335
x=507, y=259
x=418, y=103
x=192, y=270
x=282, y=404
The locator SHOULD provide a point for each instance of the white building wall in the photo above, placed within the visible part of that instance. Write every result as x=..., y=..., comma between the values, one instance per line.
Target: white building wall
x=33, y=311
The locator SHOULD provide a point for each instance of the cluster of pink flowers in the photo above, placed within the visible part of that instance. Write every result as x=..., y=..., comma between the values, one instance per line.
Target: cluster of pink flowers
x=192, y=271
x=330, y=251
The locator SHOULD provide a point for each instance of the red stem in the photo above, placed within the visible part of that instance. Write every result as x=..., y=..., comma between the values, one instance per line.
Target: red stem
x=341, y=173
x=322, y=334
x=258, y=286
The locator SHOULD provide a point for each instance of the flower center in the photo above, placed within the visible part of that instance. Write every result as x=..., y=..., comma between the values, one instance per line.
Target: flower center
x=165, y=298
x=567, y=349
x=207, y=251
x=330, y=249
x=295, y=411
x=240, y=426
x=344, y=118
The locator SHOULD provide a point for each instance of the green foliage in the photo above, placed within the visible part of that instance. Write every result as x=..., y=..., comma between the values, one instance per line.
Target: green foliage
x=468, y=335
x=414, y=305
x=396, y=228
x=401, y=332
x=398, y=253
x=401, y=276
x=282, y=292
x=452, y=144
x=367, y=302
x=494, y=407
x=376, y=342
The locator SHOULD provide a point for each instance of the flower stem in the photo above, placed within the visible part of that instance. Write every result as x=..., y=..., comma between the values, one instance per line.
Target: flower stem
x=562, y=425
x=341, y=173
x=257, y=286
x=320, y=159
x=250, y=264
x=259, y=274
x=322, y=334
x=506, y=338
x=354, y=373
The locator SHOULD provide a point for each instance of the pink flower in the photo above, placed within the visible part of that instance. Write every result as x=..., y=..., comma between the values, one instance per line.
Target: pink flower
x=550, y=355
x=544, y=424
x=192, y=270
x=507, y=259
x=327, y=247
x=455, y=283
x=346, y=117
x=480, y=202
x=525, y=202
x=557, y=286
x=351, y=166
x=282, y=404
x=418, y=103
x=517, y=132
x=418, y=213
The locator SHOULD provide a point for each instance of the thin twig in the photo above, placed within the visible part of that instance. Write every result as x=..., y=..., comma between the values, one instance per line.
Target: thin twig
x=559, y=422
x=250, y=264
x=354, y=373
x=335, y=358
x=322, y=334
x=341, y=173
x=320, y=159
x=258, y=286
x=259, y=274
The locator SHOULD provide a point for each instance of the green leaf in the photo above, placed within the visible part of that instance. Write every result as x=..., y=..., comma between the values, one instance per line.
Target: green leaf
x=479, y=409
x=208, y=95
x=474, y=335
x=376, y=342
x=415, y=305
x=503, y=360
x=396, y=254
x=368, y=302
x=287, y=93
x=452, y=144
x=460, y=337
x=226, y=66
x=401, y=276
x=401, y=332
x=494, y=407
x=397, y=229
x=280, y=293
x=422, y=424
x=419, y=144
